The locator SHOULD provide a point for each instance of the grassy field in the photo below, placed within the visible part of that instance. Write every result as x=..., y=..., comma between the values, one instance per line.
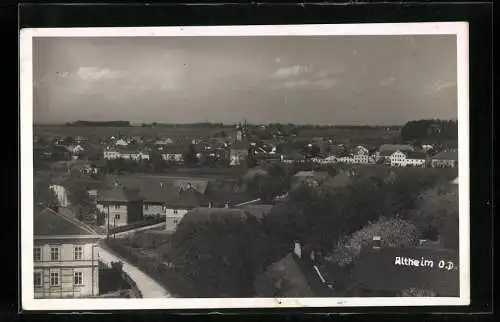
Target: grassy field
x=98, y=132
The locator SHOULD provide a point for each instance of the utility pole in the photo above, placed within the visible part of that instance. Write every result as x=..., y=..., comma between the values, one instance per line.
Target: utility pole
x=107, y=236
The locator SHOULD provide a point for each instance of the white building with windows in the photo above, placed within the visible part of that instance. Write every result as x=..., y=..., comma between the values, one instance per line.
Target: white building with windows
x=407, y=159
x=65, y=257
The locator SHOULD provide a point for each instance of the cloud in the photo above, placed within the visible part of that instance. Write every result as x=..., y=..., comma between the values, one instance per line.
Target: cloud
x=93, y=74
x=292, y=71
x=438, y=86
x=388, y=81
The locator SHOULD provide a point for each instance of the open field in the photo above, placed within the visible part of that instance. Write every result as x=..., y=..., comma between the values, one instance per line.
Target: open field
x=96, y=132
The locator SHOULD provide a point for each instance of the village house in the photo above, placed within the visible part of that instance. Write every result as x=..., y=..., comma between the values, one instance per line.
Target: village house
x=65, y=257
x=111, y=154
x=173, y=154
x=120, y=206
x=407, y=158
x=385, y=151
x=445, y=159
x=180, y=203
x=121, y=142
x=238, y=153
x=213, y=214
x=164, y=141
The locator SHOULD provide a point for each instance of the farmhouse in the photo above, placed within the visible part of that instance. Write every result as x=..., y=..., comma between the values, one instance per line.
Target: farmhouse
x=120, y=205
x=445, y=159
x=174, y=154
x=407, y=158
x=65, y=257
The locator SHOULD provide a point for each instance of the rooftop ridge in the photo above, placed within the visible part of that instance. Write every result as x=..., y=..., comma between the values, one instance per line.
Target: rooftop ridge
x=72, y=221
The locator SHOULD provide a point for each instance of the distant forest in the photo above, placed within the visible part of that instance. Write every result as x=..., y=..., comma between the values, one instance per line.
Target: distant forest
x=100, y=123
x=430, y=129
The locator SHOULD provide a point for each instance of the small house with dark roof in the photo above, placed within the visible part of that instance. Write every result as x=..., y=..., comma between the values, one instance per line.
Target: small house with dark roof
x=173, y=153
x=207, y=215
x=445, y=159
x=314, y=178
x=120, y=205
x=65, y=256
x=179, y=204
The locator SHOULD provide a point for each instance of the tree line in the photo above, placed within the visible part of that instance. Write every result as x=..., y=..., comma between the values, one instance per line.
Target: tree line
x=99, y=123
x=429, y=129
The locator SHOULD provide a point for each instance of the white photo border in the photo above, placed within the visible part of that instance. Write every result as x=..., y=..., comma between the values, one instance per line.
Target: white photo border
x=460, y=29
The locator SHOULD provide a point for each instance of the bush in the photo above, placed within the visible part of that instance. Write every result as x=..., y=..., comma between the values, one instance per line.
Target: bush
x=394, y=232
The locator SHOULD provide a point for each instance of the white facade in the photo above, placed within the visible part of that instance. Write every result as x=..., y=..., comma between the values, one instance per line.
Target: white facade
x=175, y=157
x=117, y=213
x=398, y=159
x=173, y=218
x=66, y=268
x=61, y=194
x=121, y=142
x=152, y=210
x=111, y=155
x=415, y=162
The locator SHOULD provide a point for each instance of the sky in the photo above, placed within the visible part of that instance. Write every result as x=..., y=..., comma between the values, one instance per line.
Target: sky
x=358, y=80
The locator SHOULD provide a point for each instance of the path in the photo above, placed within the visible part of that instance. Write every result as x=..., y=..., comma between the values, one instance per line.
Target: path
x=149, y=287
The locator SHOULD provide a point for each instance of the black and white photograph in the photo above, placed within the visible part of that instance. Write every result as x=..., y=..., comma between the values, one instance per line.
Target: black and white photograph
x=245, y=166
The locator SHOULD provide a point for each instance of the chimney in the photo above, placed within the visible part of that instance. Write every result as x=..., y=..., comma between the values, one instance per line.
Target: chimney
x=297, y=250
x=377, y=242
x=210, y=205
x=226, y=205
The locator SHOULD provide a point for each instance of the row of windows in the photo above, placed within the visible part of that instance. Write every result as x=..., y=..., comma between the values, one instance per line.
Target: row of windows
x=55, y=279
x=55, y=252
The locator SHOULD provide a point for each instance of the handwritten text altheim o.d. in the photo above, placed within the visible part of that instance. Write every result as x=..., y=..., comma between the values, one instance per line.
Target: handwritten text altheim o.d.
x=406, y=261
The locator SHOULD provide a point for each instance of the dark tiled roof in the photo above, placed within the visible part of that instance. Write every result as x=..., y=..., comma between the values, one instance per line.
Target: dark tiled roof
x=376, y=270
x=174, y=149
x=415, y=155
x=49, y=223
x=120, y=194
x=395, y=147
x=187, y=199
x=446, y=155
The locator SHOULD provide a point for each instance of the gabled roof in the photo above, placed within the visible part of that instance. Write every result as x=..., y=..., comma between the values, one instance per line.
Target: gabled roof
x=189, y=198
x=173, y=149
x=395, y=147
x=47, y=222
x=415, y=155
x=446, y=155
x=119, y=194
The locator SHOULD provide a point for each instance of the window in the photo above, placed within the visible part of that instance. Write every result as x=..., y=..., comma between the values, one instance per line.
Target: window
x=78, y=252
x=146, y=207
x=78, y=278
x=54, y=253
x=54, y=279
x=117, y=216
x=117, y=206
x=37, y=254
x=37, y=279
x=176, y=221
x=175, y=211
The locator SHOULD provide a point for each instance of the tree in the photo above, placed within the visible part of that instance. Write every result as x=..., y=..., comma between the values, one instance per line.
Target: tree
x=189, y=155
x=394, y=232
x=45, y=196
x=216, y=257
x=438, y=215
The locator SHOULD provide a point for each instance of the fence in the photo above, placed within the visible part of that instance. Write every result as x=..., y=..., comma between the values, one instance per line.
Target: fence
x=138, y=224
